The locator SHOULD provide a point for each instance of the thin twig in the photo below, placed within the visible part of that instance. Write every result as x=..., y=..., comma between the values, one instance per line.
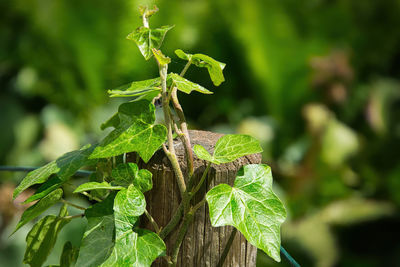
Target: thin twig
x=186, y=68
x=91, y=197
x=227, y=248
x=203, y=177
x=72, y=204
x=152, y=221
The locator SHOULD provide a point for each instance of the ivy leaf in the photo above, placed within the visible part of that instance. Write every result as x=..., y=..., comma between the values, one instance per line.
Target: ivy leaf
x=187, y=86
x=98, y=239
x=33, y=211
x=64, y=167
x=96, y=186
x=137, y=247
x=129, y=204
x=42, y=237
x=49, y=186
x=251, y=207
x=214, y=67
x=147, y=39
x=137, y=88
x=68, y=255
x=135, y=132
x=128, y=173
x=229, y=148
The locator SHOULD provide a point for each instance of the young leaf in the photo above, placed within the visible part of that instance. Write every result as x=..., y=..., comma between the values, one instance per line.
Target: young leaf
x=68, y=255
x=135, y=132
x=49, y=186
x=128, y=173
x=203, y=61
x=96, y=186
x=229, y=148
x=42, y=237
x=98, y=239
x=33, y=211
x=137, y=88
x=187, y=86
x=130, y=203
x=132, y=247
x=251, y=207
x=160, y=57
x=64, y=167
x=147, y=39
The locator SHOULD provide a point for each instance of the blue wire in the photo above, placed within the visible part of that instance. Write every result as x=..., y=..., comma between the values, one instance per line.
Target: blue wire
x=292, y=261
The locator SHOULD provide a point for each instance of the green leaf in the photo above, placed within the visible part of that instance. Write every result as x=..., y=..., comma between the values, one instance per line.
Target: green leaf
x=42, y=237
x=49, y=186
x=137, y=88
x=214, y=67
x=135, y=132
x=147, y=39
x=183, y=55
x=187, y=86
x=68, y=255
x=129, y=203
x=96, y=186
x=37, y=209
x=251, y=207
x=137, y=247
x=64, y=167
x=161, y=58
x=98, y=239
x=128, y=173
x=229, y=148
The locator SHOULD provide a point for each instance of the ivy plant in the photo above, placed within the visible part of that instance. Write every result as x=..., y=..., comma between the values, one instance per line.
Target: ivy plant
x=112, y=236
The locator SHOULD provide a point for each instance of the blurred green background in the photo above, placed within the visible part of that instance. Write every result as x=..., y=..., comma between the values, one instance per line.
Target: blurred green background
x=316, y=81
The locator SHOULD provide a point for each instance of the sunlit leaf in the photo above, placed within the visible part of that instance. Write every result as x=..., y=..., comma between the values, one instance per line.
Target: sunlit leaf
x=214, y=67
x=33, y=211
x=251, y=207
x=147, y=39
x=96, y=186
x=98, y=239
x=136, y=132
x=64, y=167
x=133, y=247
x=43, y=236
x=128, y=173
x=187, y=86
x=229, y=148
x=137, y=88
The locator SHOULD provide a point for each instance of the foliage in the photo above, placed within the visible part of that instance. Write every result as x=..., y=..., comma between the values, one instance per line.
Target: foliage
x=112, y=236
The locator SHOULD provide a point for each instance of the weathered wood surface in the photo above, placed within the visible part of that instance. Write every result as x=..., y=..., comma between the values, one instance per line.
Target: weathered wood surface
x=203, y=244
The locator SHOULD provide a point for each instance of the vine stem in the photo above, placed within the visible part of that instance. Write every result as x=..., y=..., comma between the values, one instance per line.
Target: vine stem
x=170, y=152
x=187, y=220
x=152, y=221
x=72, y=204
x=172, y=223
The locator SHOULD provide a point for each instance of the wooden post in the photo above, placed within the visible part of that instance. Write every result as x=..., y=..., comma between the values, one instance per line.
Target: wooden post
x=203, y=245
